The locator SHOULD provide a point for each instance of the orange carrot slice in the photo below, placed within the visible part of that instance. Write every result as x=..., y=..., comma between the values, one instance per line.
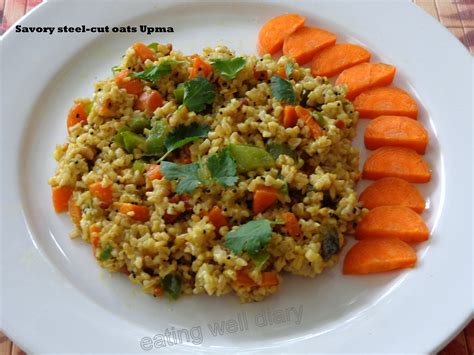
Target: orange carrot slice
x=200, y=67
x=333, y=60
x=76, y=115
x=133, y=86
x=309, y=120
x=61, y=196
x=393, y=221
x=94, y=237
x=136, y=212
x=269, y=279
x=365, y=76
x=154, y=172
x=289, y=116
x=392, y=191
x=217, y=218
x=149, y=102
x=399, y=162
x=385, y=101
x=75, y=212
x=273, y=33
x=264, y=197
x=305, y=42
x=243, y=279
x=102, y=193
x=399, y=131
x=143, y=52
x=292, y=224
x=378, y=255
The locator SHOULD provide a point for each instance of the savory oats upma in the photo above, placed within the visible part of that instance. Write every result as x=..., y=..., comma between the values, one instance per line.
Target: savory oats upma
x=210, y=173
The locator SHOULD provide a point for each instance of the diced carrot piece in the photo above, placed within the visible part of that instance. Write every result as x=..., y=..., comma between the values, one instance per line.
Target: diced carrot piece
x=340, y=124
x=264, y=197
x=365, y=76
x=385, y=101
x=61, y=196
x=393, y=221
x=396, y=131
x=399, y=162
x=158, y=291
x=309, y=120
x=139, y=213
x=75, y=212
x=273, y=33
x=149, y=102
x=392, y=191
x=94, y=237
x=333, y=60
x=305, y=42
x=292, y=224
x=378, y=255
x=243, y=279
x=289, y=116
x=217, y=218
x=102, y=193
x=143, y=52
x=76, y=115
x=154, y=173
x=281, y=72
x=269, y=279
x=200, y=67
x=133, y=86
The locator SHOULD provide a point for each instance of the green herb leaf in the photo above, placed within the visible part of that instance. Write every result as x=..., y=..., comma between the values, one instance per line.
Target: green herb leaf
x=183, y=135
x=106, y=253
x=198, y=93
x=229, y=68
x=222, y=168
x=282, y=89
x=154, y=72
x=186, y=174
x=289, y=70
x=171, y=284
x=153, y=45
x=260, y=258
x=276, y=150
x=250, y=237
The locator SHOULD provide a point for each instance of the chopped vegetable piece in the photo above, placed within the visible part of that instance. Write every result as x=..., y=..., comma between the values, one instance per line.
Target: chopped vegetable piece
x=309, y=120
x=396, y=131
x=132, y=140
x=282, y=89
x=136, y=212
x=77, y=114
x=399, y=162
x=139, y=123
x=250, y=158
x=143, y=52
x=149, y=102
x=269, y=279
x=61, y=196
x=102, y=193
x=153, y=45
x=94, y=237
x=138, y=165
x=171, y=285
x=378, y=255
x=132, y=86
x=305, y=42
x=329, y=243
x=276, y=150
x=292, y=224
x=243, y=279
x=250, y=237
x=200, y=68
x=393, y=221
x=260, y=258
x=75, y=212
x=198, y=93
x=289, y=116
x=179, y=93
x=229, y=68
x=217, y=218
x=105, y=253
x=288, y=70
x=263, y=198
x=154, y=172
x=155, y=142
x=273, y=33
x=392, y=191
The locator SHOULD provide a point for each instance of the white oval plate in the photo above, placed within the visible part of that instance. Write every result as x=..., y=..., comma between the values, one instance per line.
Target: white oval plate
x=56, y=299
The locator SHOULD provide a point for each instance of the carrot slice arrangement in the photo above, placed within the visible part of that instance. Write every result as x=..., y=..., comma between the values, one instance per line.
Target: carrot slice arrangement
x=399, y=162
x=333, y=60
x=393, y=221
x=397, y=131
x=392, y=191
x=305, y=42
x=366, y=76
x=385, y=101
x=274, y=32
x=378, y=255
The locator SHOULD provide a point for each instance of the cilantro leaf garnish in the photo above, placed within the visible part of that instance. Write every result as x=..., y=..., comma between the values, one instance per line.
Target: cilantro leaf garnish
x=171, y=284
x=251, y=237
x=282, y=89
x=186, y=174
x=183, y=135
x=229, y=68
x=154, y=72
x=198, y=93
x=288, y=70
x=222, y=168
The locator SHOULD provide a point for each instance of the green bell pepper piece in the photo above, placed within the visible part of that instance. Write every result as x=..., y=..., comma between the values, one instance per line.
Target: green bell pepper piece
x=139, y=123
x=155, y=142
x=179, y=93
x=138, y=165
x=132, y=140
x=250, y=158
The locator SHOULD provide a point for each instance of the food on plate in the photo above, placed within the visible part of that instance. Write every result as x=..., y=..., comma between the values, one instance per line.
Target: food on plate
x=392, y=191
x=366, y=76
x=393, y=221
x=273, y=33
x=399, y=162
x=211, y=173
x=378, y=255
x=303, y=43
x=333, y=60
x=385, y=101
x=397, y=131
